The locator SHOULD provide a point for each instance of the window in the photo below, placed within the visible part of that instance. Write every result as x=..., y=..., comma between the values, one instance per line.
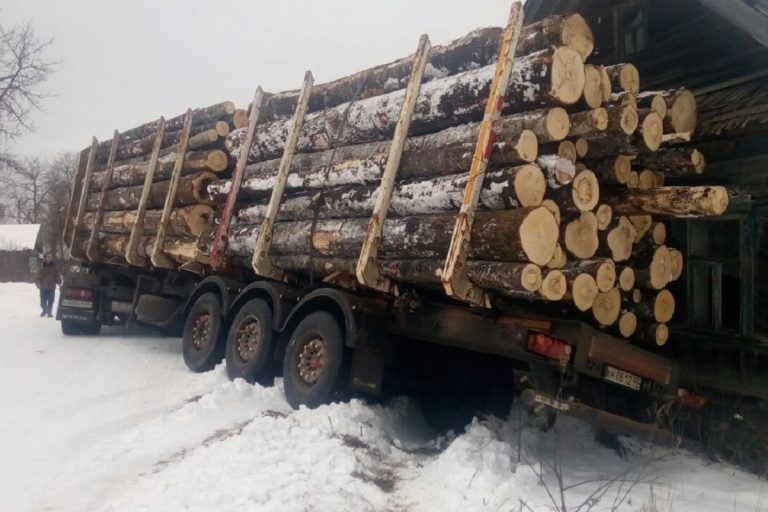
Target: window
x=630, y=28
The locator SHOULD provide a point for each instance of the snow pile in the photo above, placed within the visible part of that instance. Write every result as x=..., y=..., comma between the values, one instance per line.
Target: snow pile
x=117, y=423
x=18, y=237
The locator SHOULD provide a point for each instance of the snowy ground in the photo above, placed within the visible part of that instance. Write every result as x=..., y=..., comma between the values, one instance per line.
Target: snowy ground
x=117, y=423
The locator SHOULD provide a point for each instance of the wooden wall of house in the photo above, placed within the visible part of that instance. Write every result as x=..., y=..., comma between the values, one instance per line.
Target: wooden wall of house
x=15, y=266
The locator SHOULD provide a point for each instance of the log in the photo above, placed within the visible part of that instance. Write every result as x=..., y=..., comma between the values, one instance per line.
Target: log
x=654, y=334
x=623, y=118
x=192, y=189
x=588, y=121
x=616, y=243
x=180, y=249
x=553, y=286
x=582, y=291
x=559, y=260
x=594, y=80
x=647, y=179
x=607, y=307
x=674, y=162
x=213, y=160
x=642, y=224
x=216, y=112
x=200, y=136
x=582, y=148
x=240, y=118
x=627, y=324
x=626, y=278
x=604, y=214
x=612, y=170
x=522, y=235
x=585, y=191
x=658, y=273
x=559, y=30
x=553, y=209
x=475, y=50
x=549, y=124
x=506, y=188
x=671, y=201
x=548, y=78
x=677, y=264
x=187, y=221
x=624, y=77
x=651, y=130
x=681, y=111
x=447, y=152
x=603, y=271
x=659, y=309
x=580, y=236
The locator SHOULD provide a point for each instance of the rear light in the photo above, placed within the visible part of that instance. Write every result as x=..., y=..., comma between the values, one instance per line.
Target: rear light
x=549, y=347
x=690, y=399
x=78, y=293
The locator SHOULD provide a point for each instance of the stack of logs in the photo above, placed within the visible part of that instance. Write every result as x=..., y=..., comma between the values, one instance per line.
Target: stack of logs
x=573, y=202
x=192, y=213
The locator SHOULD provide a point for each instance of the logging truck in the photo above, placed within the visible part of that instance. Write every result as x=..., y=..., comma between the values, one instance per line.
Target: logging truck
x=497, y=194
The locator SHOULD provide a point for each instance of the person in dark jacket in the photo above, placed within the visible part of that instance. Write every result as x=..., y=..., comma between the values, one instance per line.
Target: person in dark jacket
x=47, y=279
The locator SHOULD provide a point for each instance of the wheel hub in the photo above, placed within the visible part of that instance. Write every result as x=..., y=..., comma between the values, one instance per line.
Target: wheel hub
x=201, y=331
x=312, y=360
x=248, y=336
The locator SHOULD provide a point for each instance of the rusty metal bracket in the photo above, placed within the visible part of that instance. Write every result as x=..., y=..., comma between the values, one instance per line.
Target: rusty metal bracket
x=158, y=257
x=221, y=238
x=367, y=269
x=262, y=264
x=74, y=197
x=76, y=251
x=455, y=279
x=92, y=251
x=132, y=255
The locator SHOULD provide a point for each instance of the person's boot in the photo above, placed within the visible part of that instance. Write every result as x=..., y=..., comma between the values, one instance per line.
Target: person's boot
x=50, y=315
x=42, y=314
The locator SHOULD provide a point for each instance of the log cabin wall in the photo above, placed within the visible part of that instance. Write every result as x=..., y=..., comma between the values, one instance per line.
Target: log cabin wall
x=719, y=50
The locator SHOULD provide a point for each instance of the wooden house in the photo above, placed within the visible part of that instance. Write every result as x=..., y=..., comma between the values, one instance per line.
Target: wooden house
x=20, y=248
x=719, y=50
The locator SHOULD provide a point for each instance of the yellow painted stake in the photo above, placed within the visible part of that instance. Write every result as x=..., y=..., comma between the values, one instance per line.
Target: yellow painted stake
x=455, y=279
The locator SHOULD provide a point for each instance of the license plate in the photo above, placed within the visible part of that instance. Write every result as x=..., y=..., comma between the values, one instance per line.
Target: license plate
x=70, y=303
x=621, y=377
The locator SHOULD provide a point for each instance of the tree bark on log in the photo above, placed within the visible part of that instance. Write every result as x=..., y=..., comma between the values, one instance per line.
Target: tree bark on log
x=624, y=77
x=477, y=49
x=192, y=189
x=611, y=170
x=548, y=124
x=658, y=308
x=588, y=121
x=654, y=334
x=671, y=201
x=653, y=101
x=674, y=162
x=559, y=30
x=214, y=160
x=522, y=235
x=217, y=112
x=547, y=78
x=187, y=221
x=180, y=249
x=558, y=171
x=603, y=271
x=507, y=188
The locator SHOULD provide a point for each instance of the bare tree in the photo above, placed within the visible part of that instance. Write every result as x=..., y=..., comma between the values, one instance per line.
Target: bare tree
x=26, y=187
x=23, y=70
x=58, y=182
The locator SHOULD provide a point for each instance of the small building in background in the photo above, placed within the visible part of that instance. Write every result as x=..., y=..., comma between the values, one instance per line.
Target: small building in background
x=20, y=248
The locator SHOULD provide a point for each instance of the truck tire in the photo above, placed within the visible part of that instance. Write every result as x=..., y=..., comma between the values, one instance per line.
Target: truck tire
x=203, y=339
x=315, y=362
x=249, y=343
x=155, y=309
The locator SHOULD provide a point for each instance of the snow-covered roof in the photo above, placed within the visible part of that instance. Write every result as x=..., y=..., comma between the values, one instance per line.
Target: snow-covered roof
x=18, y=237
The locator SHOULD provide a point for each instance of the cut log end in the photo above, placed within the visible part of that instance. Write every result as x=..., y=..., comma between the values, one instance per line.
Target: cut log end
x=659, y=233
x=576, y=34
x=199, y=219
x=605, y=277
x=652, y=131
x=554, y=286
x=604, y=214
x=567, y=75
x=607, y=307
x=627, y=279
x=582, y=147
x=642, y=224
x=664, y=306
x=538, y=235
x=581, y=236
x=628, y=78
x=647, y=179
x=657, y=334
x=637, y=296
x=698, y=161
x=557, y=123
x=530, y=277
x=628, y=120
x=217, y=160
x=553, y=208
x=559, y=259
x=659, y=106
x=627, y=324
x=583, y=292
x=567, y=150
x=677, y=263
x=620, y=240
x=682, y=112
x=527, y=146
x=660, y=268
x=199, y=187
x=585, y=191
x=593, y=86
x=530, y=185
x=600, y=119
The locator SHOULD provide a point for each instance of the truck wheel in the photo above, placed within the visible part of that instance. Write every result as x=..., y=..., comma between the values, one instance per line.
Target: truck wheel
x=315, y=361
x=249, y=342
x=202, y=341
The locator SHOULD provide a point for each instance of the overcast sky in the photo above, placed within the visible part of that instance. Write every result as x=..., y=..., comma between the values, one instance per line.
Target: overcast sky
x=125, y=62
